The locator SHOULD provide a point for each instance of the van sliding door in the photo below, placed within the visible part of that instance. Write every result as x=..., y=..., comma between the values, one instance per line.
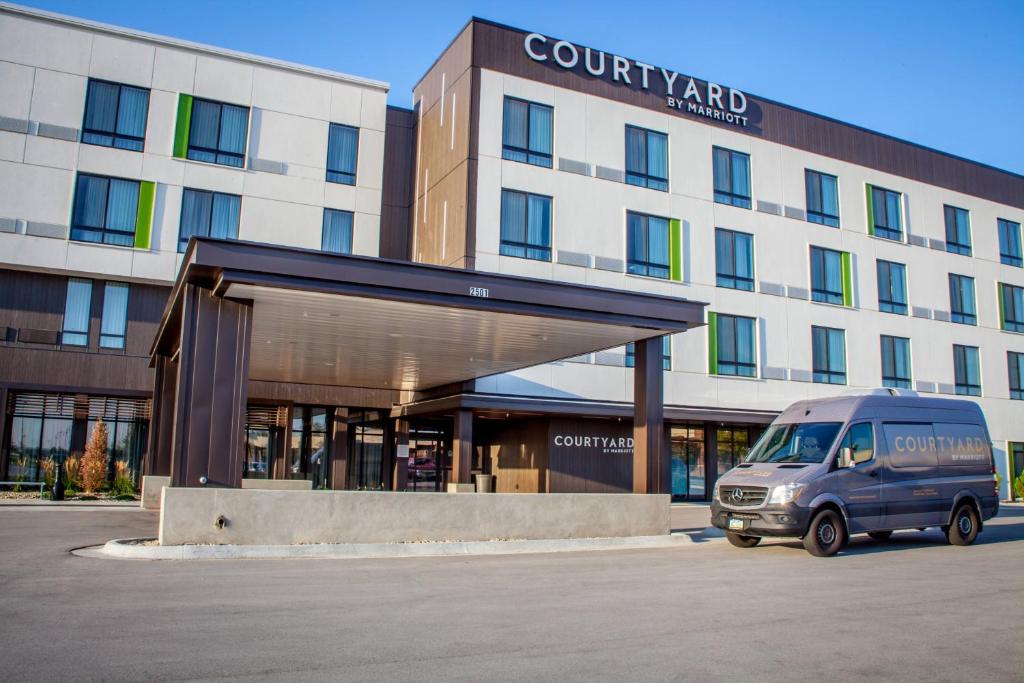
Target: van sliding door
x=911, y=489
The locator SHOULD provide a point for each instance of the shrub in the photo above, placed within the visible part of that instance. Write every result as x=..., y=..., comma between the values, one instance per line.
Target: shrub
x=49, y=468
x=123, y=485
x=93, y=468
x=1018, y=486
x=71, y=467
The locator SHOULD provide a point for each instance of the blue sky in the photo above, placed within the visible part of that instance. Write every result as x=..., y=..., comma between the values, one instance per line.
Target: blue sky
x=949, y=75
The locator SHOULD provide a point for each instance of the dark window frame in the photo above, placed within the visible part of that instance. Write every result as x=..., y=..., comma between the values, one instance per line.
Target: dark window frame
x=532, y=157
x=103, y=231
x=957, y=299
x=1016, y=375
x=114, y=135
x=182, y=245
x=527, y=247
x=1007, y=227
x=323, y=230
x=960, y=371
x=217, y=152
x=887, y=231
x=645, y=178
x=342, y=177
x=1007, y=292
x=955, y=246
x=648, y=268
x=824, y=374
x=818, y=215
x=731, y=197
x=123, y=336
x=64, y=331
x=735, y=367
x=732, y=280
x=885, y=303
x=821, y=294
x=895, y=380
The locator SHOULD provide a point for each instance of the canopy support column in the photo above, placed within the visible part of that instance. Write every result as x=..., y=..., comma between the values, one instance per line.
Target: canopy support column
x=651, y=466
x=462, y=452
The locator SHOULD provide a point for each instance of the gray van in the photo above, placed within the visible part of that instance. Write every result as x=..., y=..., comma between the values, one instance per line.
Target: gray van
x=872, y=463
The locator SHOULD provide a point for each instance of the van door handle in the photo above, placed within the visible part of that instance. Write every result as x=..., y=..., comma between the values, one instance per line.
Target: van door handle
x=874, y=473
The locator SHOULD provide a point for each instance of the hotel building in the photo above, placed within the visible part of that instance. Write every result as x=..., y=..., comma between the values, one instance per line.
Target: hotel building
x=831, y=258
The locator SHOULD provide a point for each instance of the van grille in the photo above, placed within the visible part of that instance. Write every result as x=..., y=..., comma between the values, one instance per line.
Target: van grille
x=742, y=496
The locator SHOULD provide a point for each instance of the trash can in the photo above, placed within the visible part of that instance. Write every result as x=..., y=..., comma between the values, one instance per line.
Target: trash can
x=483, y=483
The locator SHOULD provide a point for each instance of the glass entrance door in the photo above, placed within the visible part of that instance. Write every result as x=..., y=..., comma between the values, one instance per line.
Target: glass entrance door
x=429, y=461
x=688, y=464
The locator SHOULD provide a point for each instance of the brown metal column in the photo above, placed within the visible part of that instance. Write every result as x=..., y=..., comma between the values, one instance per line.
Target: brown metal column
x=4, y=417
x=339, y=451
x=462, y=447
x=710, y=457
x=161, y=425
x=213, y=377
x=651, y=464
x=400, y=478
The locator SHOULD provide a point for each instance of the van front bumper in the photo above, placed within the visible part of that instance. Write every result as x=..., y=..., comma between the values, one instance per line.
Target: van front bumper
x=772, y=520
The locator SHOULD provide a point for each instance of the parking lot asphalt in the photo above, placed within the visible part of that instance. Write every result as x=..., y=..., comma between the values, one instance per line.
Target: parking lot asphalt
x=912, y=608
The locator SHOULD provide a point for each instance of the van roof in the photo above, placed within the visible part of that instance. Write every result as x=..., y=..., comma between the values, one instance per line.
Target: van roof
x=844, y=408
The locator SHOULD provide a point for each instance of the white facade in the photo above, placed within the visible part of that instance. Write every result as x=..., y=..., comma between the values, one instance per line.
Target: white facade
x=46, y=62
x=589, y=218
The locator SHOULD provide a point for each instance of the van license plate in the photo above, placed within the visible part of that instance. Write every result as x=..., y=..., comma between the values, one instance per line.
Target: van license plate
x=737, y=524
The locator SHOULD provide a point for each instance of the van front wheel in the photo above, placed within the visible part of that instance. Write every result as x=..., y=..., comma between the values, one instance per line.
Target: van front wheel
x=741, y=541
x=826, y=534
x=964, y=528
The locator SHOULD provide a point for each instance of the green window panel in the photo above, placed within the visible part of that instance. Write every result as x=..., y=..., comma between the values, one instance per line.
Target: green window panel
x=871, y=210
x=712, y=343
x=675, y=243
x=182, y=125
x=847, y=262
x=144, y=216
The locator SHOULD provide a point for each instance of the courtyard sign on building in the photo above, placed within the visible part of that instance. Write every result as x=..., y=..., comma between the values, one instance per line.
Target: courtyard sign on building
x=683, y=93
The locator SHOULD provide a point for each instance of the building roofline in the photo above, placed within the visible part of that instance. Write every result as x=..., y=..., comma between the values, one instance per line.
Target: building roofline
x=783, y=105
x=43, y=15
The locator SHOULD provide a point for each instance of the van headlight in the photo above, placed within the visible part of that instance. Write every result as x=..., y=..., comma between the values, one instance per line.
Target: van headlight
x=714, y=493
x=784, y=494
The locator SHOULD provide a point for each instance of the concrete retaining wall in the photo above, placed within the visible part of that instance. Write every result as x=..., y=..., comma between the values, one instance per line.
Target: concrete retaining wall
x=278, y=484
x=259, y=517
x=151, y=487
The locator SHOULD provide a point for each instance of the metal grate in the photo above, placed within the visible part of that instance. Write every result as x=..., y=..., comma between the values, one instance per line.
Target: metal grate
x=742, y=496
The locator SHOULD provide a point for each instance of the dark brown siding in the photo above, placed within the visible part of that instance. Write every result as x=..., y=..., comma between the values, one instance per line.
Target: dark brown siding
x=517, y=454
x=399, y=169
x=36, y=301
x=500, y=48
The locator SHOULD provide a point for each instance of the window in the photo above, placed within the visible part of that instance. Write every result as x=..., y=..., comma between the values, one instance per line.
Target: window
x=105, y=210
x=217, y=133
x=827, y=276
x=1011, y=307
x=895, y=362
x=208, y=214
x=822, y=198
x=647, y=245
x=1015, y=362
x=958, y=230
x=666, y=353
x=1009, y=243
x=860, y=438
x=646, y=158
x=734, y=259
x=337, y=235
x=732, y=177
x=828, y=351
x=734, y=352
x=961, y=300
x=885, y=213
x=526, y=132
x=115, y=315
x=342, y=152
x=892, y=287
x=525, y=225
x=966, y=370
x=77, y=306
x=115, y=115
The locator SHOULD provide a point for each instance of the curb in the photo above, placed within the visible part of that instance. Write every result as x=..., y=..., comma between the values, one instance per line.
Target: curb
x=109, y=504
x=128, y=548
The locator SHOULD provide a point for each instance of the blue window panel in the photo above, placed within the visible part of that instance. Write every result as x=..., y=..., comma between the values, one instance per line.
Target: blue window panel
x=966, y=370
x=77, y=307
x=1013, y=307
x=105, y=210
x=736, y=346
x=822, y=198
x=527, y=132
x=828, y=351
x=896, y=362
x=826, y=276
x=337, y=232
x=666, y=353
x=1015, y=363
x=961, y=300
x=888, y=216
x=525, y=225
x=647, y=245
x=342, y=154
x=208, y=214
x=1010, y=243
x=646, y=158
x=734, y=259
x=115, y=115
x=115, y=315
x=892, y=287
x=217, y=133
x=958, y=230
x=731, y=177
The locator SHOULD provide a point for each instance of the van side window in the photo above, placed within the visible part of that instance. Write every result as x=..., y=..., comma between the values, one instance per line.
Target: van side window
x=861, y=438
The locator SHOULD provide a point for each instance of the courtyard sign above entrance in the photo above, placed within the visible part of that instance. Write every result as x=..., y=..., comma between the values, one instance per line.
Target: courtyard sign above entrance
x=682, y=93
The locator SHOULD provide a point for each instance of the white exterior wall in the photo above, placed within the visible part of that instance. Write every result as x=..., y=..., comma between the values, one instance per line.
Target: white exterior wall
x=588, y=216
x=45, y=64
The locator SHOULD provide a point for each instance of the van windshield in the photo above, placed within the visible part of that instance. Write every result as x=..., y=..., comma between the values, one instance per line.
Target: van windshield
x=804, y=442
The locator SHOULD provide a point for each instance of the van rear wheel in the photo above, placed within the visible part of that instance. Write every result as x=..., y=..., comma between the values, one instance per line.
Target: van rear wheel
x=964, y=528
x=741, y=541
x=880, y=535
x=826, y=534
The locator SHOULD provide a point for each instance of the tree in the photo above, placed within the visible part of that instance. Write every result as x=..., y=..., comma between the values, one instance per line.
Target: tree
x=93, y=470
